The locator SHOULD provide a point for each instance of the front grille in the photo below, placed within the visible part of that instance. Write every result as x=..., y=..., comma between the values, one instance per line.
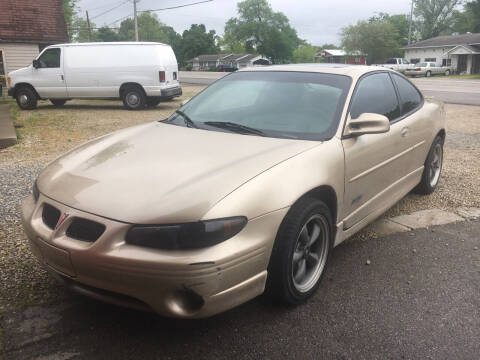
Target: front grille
x=50, y=215
x=85, y=230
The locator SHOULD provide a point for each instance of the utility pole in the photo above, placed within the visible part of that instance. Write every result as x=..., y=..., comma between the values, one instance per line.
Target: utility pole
x=89, y=28
x=135, y=18
x=410, y=25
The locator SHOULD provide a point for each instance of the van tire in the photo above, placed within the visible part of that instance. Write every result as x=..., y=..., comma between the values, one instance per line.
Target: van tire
x=428, y=74
x=58, y=102
x=134, y=97
x=153, y=101
x=26, y=98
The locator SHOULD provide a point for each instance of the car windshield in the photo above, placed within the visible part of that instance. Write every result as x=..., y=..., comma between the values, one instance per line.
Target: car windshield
x=285, y=104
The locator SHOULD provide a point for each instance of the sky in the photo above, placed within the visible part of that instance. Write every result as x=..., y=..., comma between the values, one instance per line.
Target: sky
x=317, y=21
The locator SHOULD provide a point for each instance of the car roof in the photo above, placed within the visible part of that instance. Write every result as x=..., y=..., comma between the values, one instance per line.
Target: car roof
x=109, y=43
x=354, y=71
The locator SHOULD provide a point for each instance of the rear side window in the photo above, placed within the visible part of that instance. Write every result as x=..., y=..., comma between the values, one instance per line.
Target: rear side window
x=375, y=94
x=50, y=58
x=410, y=98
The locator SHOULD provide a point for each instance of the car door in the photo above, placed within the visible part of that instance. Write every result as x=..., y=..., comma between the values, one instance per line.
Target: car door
x=48, y=78
x=374, y=163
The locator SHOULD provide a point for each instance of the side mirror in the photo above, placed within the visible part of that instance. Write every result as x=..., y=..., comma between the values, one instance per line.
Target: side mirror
x=367, y=123
x=186, y=101
x=36, y=64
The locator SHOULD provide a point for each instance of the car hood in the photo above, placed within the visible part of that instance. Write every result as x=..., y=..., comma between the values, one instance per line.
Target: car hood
x=161, y=173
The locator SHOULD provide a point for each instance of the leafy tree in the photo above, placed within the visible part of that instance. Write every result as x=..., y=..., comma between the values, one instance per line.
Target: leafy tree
x=262, y=31
x=304, y=54
x=106, y=34
x=469, y=19
x=69, y=10
x=400, y=23
x=435, y=17
x=378, y=40
x=149, y=29
x=197, y=41
x=328, y=46
x=80, y=34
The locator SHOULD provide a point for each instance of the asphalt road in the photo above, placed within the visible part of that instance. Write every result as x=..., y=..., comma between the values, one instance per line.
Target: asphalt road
x=452, y=91
x=418, y=299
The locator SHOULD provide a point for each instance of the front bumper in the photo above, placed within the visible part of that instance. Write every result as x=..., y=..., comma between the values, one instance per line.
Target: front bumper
x=415, y=73
x=185, y=284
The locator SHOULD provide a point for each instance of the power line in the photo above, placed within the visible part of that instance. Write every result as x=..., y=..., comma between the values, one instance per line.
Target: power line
x=107, y=11
x=176, y=7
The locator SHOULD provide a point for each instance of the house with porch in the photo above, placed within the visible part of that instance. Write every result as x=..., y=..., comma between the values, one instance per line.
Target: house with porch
x=26, y=27
x=462, y=52
x=212, y=61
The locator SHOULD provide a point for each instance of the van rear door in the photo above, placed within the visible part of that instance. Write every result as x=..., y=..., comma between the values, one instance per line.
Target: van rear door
x=169, y=63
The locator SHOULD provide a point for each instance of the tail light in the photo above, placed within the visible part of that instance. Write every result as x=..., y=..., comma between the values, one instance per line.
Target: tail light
x=162, y=76
x=418, y=69
x=9, y=81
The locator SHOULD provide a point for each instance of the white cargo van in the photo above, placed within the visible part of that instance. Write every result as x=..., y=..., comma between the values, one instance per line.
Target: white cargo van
x=139, y=73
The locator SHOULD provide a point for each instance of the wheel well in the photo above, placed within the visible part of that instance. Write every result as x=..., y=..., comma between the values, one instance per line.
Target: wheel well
x=132, y=84
x=442, y=134
x=27, y=85
x=327, y=194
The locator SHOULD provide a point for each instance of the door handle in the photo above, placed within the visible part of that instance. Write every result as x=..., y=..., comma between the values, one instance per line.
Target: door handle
x=61, y=77
x=404, y=131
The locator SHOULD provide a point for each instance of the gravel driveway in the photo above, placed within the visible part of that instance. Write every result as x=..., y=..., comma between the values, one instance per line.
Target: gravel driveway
x=47, y=132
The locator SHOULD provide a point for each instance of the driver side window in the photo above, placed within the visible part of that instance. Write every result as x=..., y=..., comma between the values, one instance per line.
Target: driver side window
x=375, y=94
x=50, y=59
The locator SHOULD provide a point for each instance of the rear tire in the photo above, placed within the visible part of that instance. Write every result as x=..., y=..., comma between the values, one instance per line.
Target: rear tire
x=300, y=253
x=58, y=102
x=153, y=101
x=432, y=168
x=26, y=98
x=428, y=74
x=447, y=72
x=134, y=97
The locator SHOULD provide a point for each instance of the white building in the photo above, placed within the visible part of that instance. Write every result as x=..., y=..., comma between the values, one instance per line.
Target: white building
x=209, y=62
x=462, y=52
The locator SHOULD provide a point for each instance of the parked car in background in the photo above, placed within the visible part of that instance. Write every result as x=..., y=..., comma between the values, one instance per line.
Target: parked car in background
x=397, y=64
x=226, y=68
x=428, y=69
x=233, y=195
x=139, y=73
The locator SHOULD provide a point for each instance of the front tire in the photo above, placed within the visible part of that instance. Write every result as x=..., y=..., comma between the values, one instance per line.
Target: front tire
x=432, y=168
x=26, y=98
x=300, y=253
x=447, y=72
x=58, y=102
x=428, y=74
x=134, y=98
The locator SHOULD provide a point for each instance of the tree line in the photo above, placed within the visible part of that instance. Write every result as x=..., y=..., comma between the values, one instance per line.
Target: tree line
x=259, y=29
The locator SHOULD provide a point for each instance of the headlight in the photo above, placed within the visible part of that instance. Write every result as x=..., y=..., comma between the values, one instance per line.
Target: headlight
x=35, y=191
x=186, y=236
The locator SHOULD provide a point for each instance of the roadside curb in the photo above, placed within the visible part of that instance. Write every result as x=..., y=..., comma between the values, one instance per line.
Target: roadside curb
x=424, y=219
x=8, y=136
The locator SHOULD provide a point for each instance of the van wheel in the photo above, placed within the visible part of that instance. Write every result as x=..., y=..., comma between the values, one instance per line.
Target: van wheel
x=58, y=102
x=300, y=253
x=153, y=101
x=134, y=98
x=447, y=72
x=432, y=168
x=26, y=98
x=428, y=74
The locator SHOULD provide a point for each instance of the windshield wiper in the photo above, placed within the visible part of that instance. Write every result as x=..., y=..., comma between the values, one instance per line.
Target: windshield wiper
x=188, y=122
x=234, y=127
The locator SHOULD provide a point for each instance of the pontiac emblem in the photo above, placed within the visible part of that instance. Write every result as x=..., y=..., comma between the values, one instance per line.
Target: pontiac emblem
x=61, y=220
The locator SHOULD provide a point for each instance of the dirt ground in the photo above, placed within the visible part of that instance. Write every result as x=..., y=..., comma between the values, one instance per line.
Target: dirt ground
x=47, y=132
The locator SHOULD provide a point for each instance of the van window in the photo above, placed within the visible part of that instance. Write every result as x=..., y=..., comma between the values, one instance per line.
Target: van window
x=50, y=58
x=391, y=61
x=410, y=98
x=375, y=94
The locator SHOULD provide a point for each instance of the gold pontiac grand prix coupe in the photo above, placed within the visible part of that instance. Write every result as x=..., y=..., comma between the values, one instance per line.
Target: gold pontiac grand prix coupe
x=243, y=190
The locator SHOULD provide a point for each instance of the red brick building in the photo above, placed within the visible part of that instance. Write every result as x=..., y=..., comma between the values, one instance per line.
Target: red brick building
x=26, y=27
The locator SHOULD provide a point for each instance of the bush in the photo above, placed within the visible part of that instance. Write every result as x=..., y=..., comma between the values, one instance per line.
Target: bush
x=188, y=67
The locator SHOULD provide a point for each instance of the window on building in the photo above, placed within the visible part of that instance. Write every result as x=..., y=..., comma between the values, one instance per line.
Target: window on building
x=414, y=61
x=431, y=60
x=2, y=65
x=375, y=94
x=446, y=62
x=50, y=58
